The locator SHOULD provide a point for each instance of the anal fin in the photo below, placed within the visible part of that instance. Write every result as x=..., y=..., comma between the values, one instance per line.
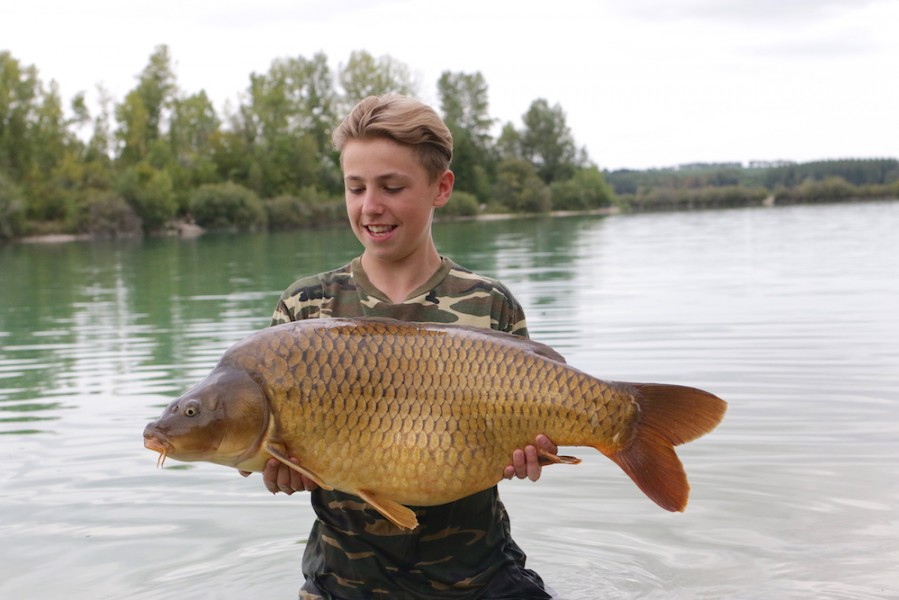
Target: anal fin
x=278, y=455
x=401, y=516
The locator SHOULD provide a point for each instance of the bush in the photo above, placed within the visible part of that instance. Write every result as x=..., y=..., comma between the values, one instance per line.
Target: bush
x=706, y=197
x=108, y=215
x=830, y=189
x=519, y=189
x=286, y=212
x=326, y=208
x=328, y=213
x=586, y=190
x=314, y=209
x=227, y=206
x=12, y=210
x=461, y=204
x=149, y=192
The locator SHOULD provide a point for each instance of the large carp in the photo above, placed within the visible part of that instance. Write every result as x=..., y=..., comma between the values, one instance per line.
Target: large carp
x=418, y=414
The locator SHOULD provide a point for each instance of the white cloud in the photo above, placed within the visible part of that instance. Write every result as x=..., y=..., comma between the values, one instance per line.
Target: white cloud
x=644, y=83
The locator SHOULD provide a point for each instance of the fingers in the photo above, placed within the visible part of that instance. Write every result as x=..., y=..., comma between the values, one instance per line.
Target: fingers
x=532, y=463
x=519, y=463
x=546, y=444
x=289, y=480
x=278, y=477
x=271, y=475
x=526, y=461
x=525, y=464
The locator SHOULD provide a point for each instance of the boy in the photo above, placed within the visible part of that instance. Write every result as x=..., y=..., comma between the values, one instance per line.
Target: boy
x=395, y=154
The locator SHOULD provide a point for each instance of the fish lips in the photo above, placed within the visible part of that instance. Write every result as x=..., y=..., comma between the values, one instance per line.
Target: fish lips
x=156, y=442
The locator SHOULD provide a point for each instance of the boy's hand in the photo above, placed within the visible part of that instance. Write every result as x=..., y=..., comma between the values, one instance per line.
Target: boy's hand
x=526, y=462
x=278, y=477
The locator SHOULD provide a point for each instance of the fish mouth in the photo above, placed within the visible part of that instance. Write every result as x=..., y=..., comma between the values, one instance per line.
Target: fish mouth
x=157, y=445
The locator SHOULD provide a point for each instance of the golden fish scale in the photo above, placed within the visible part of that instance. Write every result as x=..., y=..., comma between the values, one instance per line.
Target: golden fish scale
x=425, y=416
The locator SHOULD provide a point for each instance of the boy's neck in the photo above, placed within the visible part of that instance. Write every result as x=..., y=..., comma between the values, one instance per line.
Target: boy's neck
x=398, y=279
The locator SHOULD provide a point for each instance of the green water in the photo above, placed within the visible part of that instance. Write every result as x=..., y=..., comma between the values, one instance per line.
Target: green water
x=788, y=313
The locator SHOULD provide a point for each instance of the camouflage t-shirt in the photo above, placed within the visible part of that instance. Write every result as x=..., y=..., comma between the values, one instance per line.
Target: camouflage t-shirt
x=462, y=550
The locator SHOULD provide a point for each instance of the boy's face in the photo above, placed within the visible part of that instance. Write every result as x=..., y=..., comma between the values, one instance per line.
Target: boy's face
x=389, y=198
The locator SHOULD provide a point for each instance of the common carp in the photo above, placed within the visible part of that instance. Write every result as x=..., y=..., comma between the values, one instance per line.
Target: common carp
x=412, y=414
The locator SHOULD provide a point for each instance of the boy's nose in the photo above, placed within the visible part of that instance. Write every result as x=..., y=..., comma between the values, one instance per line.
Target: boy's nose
x=371, y=203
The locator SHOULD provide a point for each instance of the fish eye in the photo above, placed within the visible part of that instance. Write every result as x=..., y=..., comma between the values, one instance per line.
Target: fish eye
x=191, y=409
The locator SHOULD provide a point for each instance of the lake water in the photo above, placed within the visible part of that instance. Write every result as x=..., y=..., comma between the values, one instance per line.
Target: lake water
x=790, y=314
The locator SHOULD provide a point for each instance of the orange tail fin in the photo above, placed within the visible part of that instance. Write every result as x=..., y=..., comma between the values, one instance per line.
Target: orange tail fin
x=670, y=415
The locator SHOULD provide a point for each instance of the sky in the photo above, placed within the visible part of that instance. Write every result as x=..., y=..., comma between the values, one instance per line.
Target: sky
x=643, y=83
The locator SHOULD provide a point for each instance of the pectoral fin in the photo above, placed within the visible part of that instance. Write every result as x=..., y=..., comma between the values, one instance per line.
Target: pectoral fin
x=401, y=516
x=281, y=457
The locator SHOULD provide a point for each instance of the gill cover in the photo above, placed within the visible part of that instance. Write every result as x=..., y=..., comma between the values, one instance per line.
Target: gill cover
x=222, y=419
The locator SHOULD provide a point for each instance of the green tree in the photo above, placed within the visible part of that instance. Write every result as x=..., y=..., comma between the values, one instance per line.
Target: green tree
x=312, y=208
x=96, y=159
x=509, y=144
x=50, y=191
x=519, y=189
x=102, y=143
x=586, y=190
x=282, y=128
x=227, y=206
x=193, y=132
x=463, y=101
x=19, y=93
x=149, y=192
x=12, y=210
x=142, y=114
x=829, y=189
x=364, y=75
x=49, y=130
x=132, y=134
x=105, y=214
x=461, y=204
x=37, y=146
x=547, y=142
x=319, y=101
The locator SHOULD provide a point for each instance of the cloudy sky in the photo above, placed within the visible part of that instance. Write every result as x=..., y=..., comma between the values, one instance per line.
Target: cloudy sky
x=644, y=83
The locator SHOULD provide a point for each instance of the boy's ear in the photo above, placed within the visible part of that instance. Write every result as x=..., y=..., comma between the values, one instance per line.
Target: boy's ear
x=444, y=188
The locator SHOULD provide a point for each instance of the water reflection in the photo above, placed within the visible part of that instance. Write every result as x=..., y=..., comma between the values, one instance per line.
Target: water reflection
x=787, y=313
x=547, y=262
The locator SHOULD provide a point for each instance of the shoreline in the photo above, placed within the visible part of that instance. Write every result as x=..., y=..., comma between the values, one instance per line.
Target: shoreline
x=191, y=230
x=187, y=230
x=175, y=229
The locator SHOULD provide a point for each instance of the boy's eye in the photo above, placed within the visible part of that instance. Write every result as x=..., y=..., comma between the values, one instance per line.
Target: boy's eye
x=393, y=190
x=355, y=190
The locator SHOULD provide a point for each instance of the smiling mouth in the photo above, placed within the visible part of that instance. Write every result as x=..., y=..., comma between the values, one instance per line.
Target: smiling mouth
x=379, y=230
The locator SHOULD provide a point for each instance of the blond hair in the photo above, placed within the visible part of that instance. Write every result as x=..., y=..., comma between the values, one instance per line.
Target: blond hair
x=404, y=120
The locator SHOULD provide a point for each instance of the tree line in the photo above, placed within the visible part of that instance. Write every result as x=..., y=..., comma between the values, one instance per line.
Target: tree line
x=708, y=185
x=161, y=155
x=135, y=165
